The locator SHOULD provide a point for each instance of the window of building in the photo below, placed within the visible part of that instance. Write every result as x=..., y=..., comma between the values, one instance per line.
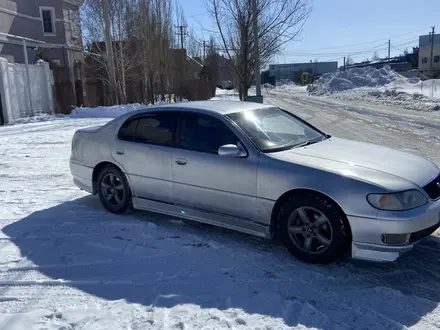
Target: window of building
x=424, y=60
x=436, y=59
x=204, y=133
x=47, y=15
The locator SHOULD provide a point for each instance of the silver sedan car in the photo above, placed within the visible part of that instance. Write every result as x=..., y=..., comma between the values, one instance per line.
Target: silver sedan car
x=263, y=171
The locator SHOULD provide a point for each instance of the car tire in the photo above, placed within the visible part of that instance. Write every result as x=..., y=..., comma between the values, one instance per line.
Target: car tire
x=313, y=229
x=113, y=190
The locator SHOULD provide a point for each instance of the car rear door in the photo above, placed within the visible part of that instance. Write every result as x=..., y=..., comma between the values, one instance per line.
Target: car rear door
x=204, y=180
x=144, y=147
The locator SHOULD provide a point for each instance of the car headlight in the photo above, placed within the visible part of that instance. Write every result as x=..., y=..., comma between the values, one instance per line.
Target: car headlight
x=401, y=201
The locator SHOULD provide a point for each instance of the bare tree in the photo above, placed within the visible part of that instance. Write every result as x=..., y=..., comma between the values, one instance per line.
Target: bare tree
x=211, y=68
x=279, y=21
x=153, y=33
x=193, y=46
x=349, y=61
x=375, y=56
x=120, y=25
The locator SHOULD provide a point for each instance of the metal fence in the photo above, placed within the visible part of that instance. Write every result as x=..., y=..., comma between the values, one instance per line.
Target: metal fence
x=26, y=90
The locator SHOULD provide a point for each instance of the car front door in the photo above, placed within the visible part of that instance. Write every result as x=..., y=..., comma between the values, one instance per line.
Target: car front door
x=144, y=147
x=203, y=179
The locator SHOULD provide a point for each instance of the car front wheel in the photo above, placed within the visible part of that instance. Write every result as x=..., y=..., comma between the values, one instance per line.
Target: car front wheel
x=113, y=190
x=313, y=230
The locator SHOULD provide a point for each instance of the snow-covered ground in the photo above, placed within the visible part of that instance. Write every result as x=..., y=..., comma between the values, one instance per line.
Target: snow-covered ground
x=66, y=263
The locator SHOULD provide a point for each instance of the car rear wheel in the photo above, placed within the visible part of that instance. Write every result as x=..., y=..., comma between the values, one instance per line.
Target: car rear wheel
x=113, y=190
x=313, y=230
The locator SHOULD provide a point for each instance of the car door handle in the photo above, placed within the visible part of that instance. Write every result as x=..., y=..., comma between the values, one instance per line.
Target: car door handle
x=120, y=152
x=181, y=162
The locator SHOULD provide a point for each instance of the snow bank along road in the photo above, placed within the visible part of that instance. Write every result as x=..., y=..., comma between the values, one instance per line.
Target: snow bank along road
x=65, y=263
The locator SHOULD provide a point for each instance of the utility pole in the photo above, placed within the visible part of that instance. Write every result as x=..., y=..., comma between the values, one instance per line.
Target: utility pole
x=181, y=34
x=389, y=48
x=109, y=50
x=432, y=49
x=256, y=48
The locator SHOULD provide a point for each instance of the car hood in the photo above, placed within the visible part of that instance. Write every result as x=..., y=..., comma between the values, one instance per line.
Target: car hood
x=366, y=161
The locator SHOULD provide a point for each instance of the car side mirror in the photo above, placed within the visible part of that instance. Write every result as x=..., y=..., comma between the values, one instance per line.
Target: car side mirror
x=231, y=150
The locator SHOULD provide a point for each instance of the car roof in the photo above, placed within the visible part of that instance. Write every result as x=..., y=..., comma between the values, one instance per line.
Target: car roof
x=222, y=107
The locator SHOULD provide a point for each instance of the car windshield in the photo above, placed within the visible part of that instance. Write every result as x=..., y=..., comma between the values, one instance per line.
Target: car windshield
x=273, y=129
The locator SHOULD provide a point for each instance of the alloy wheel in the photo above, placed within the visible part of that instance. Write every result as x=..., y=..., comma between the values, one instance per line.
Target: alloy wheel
x=310, y=230
x=112, y=190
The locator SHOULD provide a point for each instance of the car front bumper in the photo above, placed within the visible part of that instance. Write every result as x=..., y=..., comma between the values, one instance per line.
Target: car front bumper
x=368, y=233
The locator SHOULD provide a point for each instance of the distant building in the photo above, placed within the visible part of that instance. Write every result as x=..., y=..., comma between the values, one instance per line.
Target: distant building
x=293, y=71
x=224, y=70
x=398, y=63
x=425, y=55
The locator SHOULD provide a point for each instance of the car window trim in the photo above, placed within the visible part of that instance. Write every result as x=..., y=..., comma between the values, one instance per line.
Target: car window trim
x=182, y=113
x=138, y=117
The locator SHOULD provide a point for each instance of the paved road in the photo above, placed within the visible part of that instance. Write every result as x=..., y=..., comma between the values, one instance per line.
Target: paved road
x=412, y=131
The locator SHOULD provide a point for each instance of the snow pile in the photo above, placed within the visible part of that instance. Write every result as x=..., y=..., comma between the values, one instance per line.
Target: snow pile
x=37, y=119
x=290, y=87
x=106, y=112
x=113, y=111
x=224, y=94
x=380, y=86
x=357, y=78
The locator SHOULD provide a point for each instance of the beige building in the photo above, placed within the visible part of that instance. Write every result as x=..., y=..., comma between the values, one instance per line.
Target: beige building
x=53, y=32
x=425, y=55
x=55, y=22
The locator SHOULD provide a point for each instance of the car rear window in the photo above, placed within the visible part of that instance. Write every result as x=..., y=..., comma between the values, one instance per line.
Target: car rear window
x=157, y=129
x=128, y=130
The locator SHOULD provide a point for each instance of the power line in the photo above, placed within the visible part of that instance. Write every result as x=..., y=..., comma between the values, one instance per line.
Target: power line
x=320, y=54
x=368, y=42
x=194, y=39
x=404, y=42
x=399, y=49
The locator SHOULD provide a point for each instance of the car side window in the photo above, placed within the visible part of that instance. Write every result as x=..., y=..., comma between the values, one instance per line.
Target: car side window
x=204, y=133
x=127, y=132
x=157, y=129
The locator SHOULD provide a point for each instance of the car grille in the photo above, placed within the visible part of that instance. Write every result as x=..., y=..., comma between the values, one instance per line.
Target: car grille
x=433, y=188
x=418, y=235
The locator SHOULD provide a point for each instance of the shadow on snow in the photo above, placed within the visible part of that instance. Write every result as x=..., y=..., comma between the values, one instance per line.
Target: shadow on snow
x=154, y=260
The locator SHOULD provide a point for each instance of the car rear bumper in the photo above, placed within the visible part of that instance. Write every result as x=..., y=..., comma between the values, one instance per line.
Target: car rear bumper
x=82, y=176
x=412, y=226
